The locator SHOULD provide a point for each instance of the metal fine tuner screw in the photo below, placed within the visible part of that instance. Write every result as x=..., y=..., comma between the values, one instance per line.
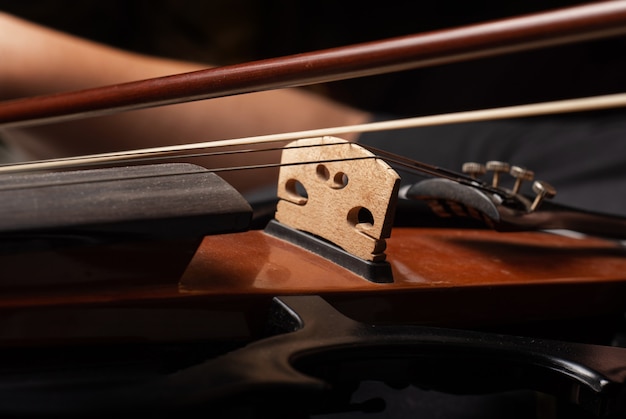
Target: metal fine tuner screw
x=474, y=169
x=497, y=167
x=544, y=191
x=520, y=174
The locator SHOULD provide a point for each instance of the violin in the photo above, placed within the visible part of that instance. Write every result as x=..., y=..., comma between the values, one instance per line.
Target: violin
x=336, y=289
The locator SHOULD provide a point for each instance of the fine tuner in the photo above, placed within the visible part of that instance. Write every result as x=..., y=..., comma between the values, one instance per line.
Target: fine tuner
x=542, y=189
x=148, y=289
x=507, y=209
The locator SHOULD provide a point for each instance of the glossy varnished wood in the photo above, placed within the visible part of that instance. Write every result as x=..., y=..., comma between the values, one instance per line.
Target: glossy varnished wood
x=440, y=275
x=420, y=258
x=448, y=277
x=255, y=263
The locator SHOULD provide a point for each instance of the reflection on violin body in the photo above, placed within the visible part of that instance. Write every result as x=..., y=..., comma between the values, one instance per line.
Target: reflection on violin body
x=232, y=278
x=447, y=277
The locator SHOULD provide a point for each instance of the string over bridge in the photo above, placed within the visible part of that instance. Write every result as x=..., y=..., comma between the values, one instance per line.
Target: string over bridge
x=346, y=195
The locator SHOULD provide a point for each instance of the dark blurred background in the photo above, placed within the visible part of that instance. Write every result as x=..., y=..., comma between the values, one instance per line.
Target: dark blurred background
x=232, y=31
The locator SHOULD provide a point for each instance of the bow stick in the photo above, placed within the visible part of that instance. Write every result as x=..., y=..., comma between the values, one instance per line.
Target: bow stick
x=581, y=23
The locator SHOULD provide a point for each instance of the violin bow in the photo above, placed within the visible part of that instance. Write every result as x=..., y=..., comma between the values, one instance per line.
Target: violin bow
x=498, y=207
x=538, y=30
x=594, y=372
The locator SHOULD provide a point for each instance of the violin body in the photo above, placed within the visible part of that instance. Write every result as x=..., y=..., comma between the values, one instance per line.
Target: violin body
x=217, y=339
x=165, y=313
x=443, y=277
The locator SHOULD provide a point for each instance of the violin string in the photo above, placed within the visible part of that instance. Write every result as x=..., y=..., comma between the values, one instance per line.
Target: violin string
x=416, y=167
x=174, y=156
x=182, y=173
x=406, y=164
x=518, y=111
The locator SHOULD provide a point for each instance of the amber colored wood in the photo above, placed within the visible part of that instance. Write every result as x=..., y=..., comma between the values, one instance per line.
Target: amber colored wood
x=441, y=277
x=579, y=23
x=421, y=259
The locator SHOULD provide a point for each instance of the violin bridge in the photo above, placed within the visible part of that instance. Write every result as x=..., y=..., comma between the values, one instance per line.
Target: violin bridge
x=338, y=191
